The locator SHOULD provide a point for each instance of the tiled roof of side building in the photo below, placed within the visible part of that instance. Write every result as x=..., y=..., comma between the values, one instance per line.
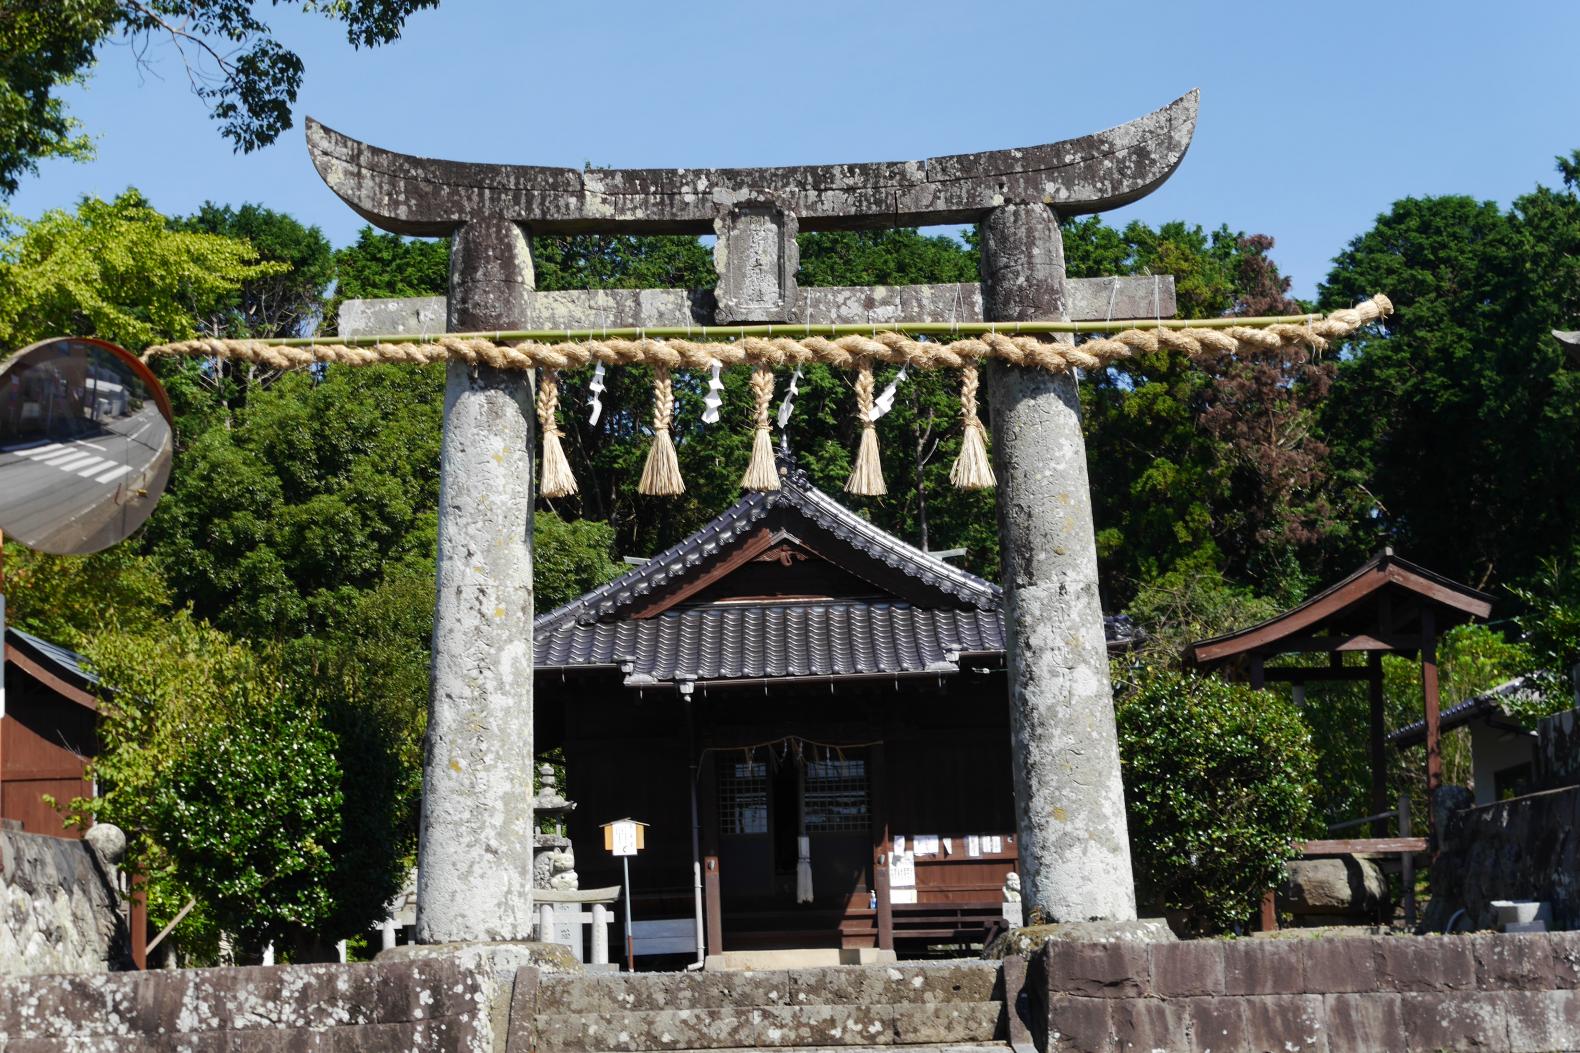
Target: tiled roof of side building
x=63, y=660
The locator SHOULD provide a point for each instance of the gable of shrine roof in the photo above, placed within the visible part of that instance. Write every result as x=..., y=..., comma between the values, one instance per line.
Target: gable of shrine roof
x=794, y=524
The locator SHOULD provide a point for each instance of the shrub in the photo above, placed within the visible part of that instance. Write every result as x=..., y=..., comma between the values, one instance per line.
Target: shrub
x=1218, y=787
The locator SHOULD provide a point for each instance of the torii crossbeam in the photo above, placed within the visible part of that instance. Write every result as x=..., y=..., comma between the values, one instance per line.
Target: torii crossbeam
x=476, y=846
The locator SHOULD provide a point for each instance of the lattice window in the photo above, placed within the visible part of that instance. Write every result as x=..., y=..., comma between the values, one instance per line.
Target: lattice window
x=836, y=796
x=743, y=797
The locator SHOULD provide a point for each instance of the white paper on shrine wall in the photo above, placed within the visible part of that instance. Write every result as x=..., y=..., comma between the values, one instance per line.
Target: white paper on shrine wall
x=902, y=870
x=926, y=844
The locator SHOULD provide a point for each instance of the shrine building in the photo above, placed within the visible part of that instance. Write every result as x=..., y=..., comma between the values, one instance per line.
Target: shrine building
x=808, y=709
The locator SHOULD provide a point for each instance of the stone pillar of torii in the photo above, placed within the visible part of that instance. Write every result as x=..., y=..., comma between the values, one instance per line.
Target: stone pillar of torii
x=475, y=850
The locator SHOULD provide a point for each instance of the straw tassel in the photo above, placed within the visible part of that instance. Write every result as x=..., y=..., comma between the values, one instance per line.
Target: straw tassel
x=761, y=474
x=972, y=469
x=557, y=480
x=661, y=474
x=866, y=478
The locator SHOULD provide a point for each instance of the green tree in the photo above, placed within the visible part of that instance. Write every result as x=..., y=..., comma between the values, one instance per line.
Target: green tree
x=1200, y=464
x=114, y=269
x=67, y=599
x=287, y=302
x=45, y=45
x=232, y=58
x=227, y=791
x=1218, y=787
x=1451, y=412
x=380, y=265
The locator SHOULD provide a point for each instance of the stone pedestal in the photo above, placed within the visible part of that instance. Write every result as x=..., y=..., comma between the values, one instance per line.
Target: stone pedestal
x=475, y=855
x=1070, y=807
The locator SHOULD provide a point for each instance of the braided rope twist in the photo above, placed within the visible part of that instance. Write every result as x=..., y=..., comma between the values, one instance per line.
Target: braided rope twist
x=845, y=352
x=761, y=473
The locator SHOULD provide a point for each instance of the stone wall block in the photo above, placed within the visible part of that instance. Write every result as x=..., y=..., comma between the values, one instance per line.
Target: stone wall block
x=1192, y=967
x=59, y=911
x=1442, y=1020
x=1518, y=961
x=1285, y=1024
x=1426, y=963
x=898, y=984
x=1338, y=966
x=1542, y=1021
x=1564, y=947
x=1363, y=1023
x=1081, y=1025
x=1142, y=1025
x=919, y=1023
x=1110, y=970
x=63, y=1005
x=1211, y=1023
x=1262, y=967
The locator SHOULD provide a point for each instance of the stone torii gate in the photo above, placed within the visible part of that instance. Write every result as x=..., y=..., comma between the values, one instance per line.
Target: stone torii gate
x=475, y=854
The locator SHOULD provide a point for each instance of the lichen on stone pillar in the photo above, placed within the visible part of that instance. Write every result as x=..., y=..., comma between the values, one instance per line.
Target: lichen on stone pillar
x=1069, y=799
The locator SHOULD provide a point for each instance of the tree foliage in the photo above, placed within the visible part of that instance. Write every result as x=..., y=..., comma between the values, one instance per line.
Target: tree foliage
x=45, y=45
x=235, y=64
x=115, y=269
x=1458, y=416
x=1218, y=787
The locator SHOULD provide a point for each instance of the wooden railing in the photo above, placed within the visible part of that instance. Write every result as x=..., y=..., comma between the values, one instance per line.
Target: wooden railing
x=1405, y=846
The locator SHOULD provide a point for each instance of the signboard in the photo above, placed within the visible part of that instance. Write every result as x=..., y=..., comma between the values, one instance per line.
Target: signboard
x=902, y=870
x=624, y=837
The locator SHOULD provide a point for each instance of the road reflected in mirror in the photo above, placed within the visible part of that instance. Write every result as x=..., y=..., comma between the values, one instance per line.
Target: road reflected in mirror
x=85, y=445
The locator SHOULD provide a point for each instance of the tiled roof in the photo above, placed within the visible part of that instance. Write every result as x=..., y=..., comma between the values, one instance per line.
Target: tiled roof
x=797, y=494
x=1487, y=703
x=66, y=662
x=757, y=639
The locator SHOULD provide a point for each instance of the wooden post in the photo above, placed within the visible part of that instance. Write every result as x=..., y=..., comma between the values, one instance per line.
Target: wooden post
x=710, y=887
x=1256, y=672
x=878, y=791
x=1407, y=864
x=1434, y=735
x=137, y=920
x=1379, y=743
x=713, y=908
x=1268, y=922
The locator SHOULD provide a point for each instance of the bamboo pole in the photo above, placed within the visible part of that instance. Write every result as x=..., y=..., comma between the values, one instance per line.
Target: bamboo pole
x=725, y=332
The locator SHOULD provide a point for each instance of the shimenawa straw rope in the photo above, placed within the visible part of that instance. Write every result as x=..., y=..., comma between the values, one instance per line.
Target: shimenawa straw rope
x=866, y=478
x=557, y=480
x=1024, y=344
x=661, y=474
x=972, y=470
x=1016, y=345
x=760, y=472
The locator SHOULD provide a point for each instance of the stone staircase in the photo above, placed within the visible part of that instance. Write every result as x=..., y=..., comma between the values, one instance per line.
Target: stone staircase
x=951, y=1005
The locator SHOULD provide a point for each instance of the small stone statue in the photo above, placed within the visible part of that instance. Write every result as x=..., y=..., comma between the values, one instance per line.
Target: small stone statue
x=555, y=868
x=1012, y=887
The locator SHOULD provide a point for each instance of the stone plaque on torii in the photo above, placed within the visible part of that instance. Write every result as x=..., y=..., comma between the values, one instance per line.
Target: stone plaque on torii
x=475, y=861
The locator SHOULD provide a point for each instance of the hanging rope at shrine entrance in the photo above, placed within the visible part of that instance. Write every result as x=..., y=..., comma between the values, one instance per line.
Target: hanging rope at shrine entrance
x=766, y=347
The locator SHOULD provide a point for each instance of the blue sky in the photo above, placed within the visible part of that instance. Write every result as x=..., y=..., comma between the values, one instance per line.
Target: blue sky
x=1314, y=116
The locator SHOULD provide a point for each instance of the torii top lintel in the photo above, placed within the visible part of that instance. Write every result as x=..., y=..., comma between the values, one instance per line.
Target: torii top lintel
x=420, y=196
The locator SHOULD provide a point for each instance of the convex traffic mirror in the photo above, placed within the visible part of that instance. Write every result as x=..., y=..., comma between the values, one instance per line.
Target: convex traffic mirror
x=85, y=445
